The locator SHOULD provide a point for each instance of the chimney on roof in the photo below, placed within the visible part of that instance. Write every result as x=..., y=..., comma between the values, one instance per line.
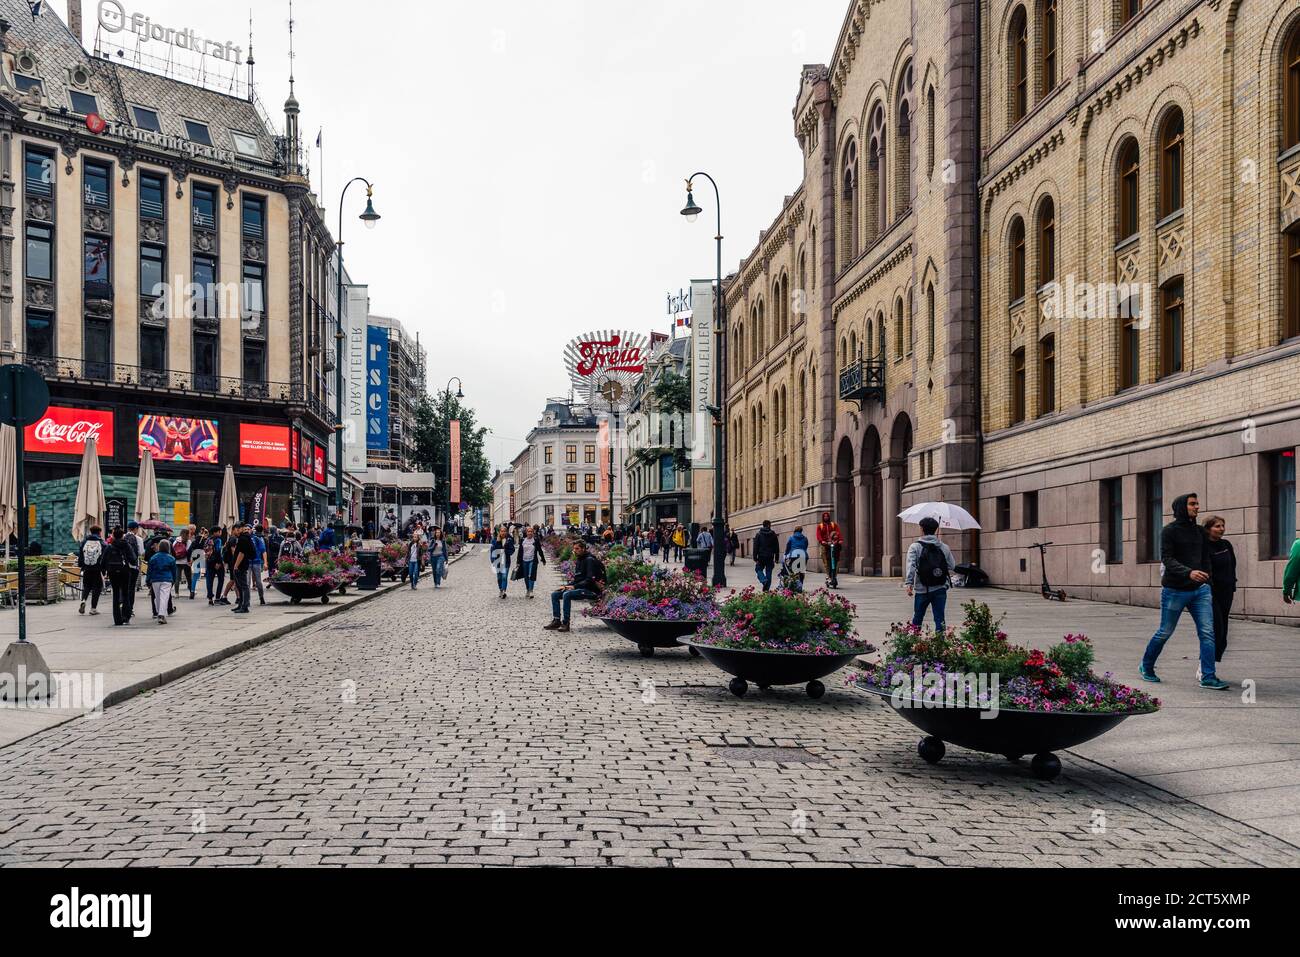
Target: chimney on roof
x=74, y=19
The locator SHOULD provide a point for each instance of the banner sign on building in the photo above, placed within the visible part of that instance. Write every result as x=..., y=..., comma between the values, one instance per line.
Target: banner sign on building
x=257, y=508
x=602, y=458
x=455, y=461
x=681, y=309
x=377, y=389
x=704, y=345
x=354, y=384
x=65, y=431
x=318, y=465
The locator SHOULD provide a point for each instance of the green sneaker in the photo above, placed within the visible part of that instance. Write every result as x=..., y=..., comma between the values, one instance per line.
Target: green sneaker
x=1215, y=684
x=1149, y=676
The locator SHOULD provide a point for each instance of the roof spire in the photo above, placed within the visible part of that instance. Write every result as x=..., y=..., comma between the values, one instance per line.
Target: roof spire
x=252, y=94
x=292, y=55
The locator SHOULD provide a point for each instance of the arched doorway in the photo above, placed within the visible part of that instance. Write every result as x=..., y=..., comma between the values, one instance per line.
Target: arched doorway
x=895, y=479
x=873, y=480
x=845, y=513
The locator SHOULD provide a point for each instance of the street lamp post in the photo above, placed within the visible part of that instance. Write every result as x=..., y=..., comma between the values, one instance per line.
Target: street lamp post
x=460, y=394
x=369, y=217
x=612, y=390
x=692, y=213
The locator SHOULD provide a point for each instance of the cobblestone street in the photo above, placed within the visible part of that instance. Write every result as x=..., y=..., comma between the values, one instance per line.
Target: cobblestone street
x=448, y=728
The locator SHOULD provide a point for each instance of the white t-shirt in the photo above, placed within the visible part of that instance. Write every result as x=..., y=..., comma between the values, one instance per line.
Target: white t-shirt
x=530, y=549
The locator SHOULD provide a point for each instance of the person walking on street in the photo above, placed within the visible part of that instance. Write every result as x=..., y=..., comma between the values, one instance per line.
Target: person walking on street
x=588, y=583
x=181, y=552
x=679, y=544
x=530, y=559
x=1291, y=577
x=214, y=564
x=241, y=565
x=831, y=542
x=413, y=561
x=258, y=568
x=161, y=575
x=90, y=559
x=705, y=541
x=766, y=549
x=929, y=574
x=117, y=563
x=438, y=557
x=500, y=554
x=1223, y=583
x=1185, y=551
x=733, y=545
x=198, y=560
x=142, y=556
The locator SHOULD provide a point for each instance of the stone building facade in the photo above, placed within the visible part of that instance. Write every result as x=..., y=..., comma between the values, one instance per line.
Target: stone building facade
x=1140, y=196
x=561, y=476
x=852, y=325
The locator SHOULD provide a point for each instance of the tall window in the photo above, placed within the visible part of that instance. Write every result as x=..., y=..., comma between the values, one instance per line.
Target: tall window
x=1047, y=376
x=153, y=199
x=1151, y=487
x=550, y=455
x=1017, y=243
x=254, y=363
x=38, y=177
x=254, y=217
x=849, y=203
x=877, y=185
x=151, y=270
x=589, y=454
x=898, y=329
x=1128, y=9
x=589, y=484
x=39, y=259
x=1291, y=92
x=1127, y=172
x=207, y=301
x=204, y=204
x=1112, y=520
x=550, y=485
x=1018, y=44
x=571, y=454
x=97, y=344
x=38, y=338
x=205, y=362
x=96, y=177
x=1293, y=282
x=929, y=133
x=1282, y=530
x=1017, y=386
x=1046, y=242
x=153, y=349
x=571, y=484
x=254, y=290
x=98, y=262
x=1171, y=164
x=1130, y=349
x=1048, y=20
x=903, y=146
x=930, y=318
x=1171, y=328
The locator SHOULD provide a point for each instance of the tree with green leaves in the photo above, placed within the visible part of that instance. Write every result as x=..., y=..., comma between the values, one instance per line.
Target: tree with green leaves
x=433, y=416
x=672, y=398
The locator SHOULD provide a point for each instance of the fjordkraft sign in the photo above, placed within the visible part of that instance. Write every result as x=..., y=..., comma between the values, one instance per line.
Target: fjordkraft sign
x=65, y=431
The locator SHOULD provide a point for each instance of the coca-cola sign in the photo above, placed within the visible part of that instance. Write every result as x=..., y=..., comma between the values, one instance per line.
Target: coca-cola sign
x=65, y=431
x=598, y=358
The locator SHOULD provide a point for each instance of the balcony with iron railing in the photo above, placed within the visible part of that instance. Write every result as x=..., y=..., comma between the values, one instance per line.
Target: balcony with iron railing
x=863, y=381
x=173, y=382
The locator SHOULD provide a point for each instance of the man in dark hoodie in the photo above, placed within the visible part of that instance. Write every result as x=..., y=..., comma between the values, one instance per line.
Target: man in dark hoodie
x=1185, y=551
x=766, y=549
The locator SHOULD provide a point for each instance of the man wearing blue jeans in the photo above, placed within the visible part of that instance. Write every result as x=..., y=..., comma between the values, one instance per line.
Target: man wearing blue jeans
x=929, y=568
x=1185, y=551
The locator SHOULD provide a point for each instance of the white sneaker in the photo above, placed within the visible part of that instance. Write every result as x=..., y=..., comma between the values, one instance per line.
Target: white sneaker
x=1198, y=673
x=93, y=612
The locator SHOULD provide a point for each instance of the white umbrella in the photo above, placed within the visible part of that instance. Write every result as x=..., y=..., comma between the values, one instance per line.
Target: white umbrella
x=228, y=513
x=90, y=507
x=948, y=516
x=147, y=508
x=8, y=485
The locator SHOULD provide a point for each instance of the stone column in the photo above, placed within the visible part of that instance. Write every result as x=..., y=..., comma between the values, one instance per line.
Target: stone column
x=893, y=473
x=861, y=523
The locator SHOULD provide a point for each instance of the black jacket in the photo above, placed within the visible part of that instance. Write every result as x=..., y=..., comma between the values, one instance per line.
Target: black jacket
x=766, y=547
x=589, y=575
x=1184, y=548
x=1224, y=560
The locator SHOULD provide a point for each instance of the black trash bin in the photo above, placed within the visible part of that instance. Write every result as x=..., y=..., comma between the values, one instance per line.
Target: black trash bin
x=697, y=560
x=369, y=562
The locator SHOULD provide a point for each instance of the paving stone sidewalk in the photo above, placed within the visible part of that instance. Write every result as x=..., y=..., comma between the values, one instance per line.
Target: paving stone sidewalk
x=448, y=728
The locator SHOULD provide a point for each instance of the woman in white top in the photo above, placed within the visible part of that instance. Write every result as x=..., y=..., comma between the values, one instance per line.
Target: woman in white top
x=413, y=561
x=530, y=559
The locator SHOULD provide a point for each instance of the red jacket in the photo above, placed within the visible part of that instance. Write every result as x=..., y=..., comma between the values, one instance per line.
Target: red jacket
x=829, y=534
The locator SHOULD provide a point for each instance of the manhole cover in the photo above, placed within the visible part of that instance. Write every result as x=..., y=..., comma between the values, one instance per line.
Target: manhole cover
x=751, y=753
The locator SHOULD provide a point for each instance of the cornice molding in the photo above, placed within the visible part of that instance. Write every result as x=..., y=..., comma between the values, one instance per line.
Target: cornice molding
x=899, y=255
x=1120, y=85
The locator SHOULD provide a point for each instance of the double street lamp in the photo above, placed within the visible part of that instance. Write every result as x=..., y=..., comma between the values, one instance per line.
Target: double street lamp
x=612, y=391
x=692, y=213
x=370, y=218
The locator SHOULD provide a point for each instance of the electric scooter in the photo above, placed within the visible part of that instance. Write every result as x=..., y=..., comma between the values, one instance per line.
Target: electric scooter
x=1048, y=593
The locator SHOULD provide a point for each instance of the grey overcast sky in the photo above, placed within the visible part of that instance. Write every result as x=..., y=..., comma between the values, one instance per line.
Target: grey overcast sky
x=529, y=158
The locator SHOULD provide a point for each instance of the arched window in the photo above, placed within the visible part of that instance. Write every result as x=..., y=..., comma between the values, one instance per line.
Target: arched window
x=812, y=394
x=785, y=304
x=849, y=204
x=877, y=206
x=1292, y=326
x=1047, y=376
x=803, y=290
x=1016, y=258
x=1291, y=92
x=929, y=133
x=1171, y=327
x=930, y=318
x=1047, y=17
x=880, y=337
x=754, y=350
x=1171, y=164
x=1127, y=189
x=812, y=264
x=898, y=329
x=853, y=348
x=1018, y=63
x=903, y=146
x=1130, y=346
x=844, y=353
x=1046, y=242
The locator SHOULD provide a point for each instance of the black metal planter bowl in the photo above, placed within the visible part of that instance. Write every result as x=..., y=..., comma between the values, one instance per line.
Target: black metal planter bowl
x=1012, y=734
x=652, y=635
x=299, y=592
x=772, y=669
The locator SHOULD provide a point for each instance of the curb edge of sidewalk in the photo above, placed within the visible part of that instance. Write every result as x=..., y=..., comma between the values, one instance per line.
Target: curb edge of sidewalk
x=123, y=695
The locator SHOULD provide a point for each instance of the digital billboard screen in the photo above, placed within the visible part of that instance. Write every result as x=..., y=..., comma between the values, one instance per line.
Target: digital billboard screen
x=171, y=439
x=65, y=431
x=318, y=468
x=264, y=446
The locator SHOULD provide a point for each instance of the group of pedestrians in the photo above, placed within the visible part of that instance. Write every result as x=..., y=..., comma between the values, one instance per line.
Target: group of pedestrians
x=516, y=554
x=426, y=549
x=237, y=559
